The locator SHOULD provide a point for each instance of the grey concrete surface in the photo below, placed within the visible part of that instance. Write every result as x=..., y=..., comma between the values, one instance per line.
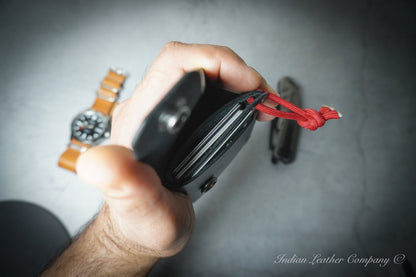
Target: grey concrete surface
x=352, y=188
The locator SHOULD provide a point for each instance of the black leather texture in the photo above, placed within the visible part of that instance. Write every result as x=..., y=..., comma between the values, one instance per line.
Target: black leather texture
x=211, y=107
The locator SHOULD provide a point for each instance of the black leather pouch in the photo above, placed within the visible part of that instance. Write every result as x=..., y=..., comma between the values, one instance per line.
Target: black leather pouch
x=195, y=132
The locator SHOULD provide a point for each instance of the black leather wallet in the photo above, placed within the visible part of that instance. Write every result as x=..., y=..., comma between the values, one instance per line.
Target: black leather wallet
x=195, y=132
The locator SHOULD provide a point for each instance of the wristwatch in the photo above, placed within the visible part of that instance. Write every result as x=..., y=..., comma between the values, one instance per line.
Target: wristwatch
x=92, y=126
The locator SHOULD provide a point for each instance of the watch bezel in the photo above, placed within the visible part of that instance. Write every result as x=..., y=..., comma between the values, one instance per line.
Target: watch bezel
x=94, y=141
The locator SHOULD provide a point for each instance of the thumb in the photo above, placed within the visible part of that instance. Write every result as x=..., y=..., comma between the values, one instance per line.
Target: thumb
x=127, y=185
x=141, y=208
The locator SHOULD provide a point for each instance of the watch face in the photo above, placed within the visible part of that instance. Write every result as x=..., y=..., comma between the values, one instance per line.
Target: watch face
x=89, y=126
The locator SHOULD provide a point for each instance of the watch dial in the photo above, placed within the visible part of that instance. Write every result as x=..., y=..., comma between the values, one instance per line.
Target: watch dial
x=88, y=126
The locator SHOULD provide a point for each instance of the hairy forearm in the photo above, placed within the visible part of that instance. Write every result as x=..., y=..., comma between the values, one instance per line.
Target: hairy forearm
x=99, y=252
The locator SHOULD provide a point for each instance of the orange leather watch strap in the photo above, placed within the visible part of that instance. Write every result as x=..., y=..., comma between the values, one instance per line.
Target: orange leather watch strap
x=103, y=106
x=107, y=96
x=68, y=159
x=79, y=144
x=118, y=76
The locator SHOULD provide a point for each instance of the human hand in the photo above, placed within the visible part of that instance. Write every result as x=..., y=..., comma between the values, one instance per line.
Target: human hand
x=141, y=218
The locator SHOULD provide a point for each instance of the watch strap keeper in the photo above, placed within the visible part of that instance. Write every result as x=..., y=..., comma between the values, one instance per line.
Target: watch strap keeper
x=68, y=159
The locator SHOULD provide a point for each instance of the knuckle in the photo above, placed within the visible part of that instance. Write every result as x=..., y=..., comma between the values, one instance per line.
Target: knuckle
x=228, y=50
x=171, y=46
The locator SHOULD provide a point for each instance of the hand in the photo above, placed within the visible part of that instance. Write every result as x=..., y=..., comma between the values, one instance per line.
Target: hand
x=141, y=218
x=175, y=59
x=142, y=210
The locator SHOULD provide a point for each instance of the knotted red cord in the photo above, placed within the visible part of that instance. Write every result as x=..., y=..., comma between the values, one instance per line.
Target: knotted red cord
x=306, y=118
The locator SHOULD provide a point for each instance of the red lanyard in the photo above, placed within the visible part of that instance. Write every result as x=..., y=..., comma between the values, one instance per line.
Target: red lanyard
x=307, y=118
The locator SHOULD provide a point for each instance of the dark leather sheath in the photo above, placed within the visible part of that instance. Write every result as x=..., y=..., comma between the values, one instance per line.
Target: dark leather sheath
x=212, y=125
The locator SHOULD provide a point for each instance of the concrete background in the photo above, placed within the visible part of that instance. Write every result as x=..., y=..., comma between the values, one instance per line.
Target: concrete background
x=352, y=188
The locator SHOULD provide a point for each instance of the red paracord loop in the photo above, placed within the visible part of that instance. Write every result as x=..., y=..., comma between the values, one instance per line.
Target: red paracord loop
x=306, y=118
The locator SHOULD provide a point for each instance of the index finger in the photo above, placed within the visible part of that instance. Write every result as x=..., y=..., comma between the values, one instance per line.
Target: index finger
x=176, y=59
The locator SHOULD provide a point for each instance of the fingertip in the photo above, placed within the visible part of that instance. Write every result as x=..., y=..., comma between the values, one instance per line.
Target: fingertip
x=100, y=166
x=265, y=86
x=264, y=117
x=114, y=170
